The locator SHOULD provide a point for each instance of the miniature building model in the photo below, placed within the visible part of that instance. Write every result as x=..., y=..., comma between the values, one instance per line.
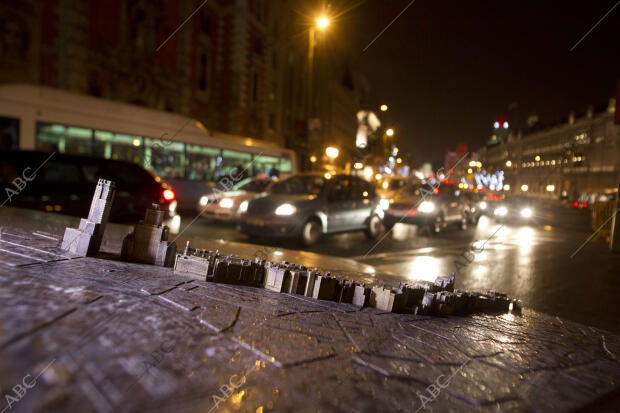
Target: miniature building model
x=148, y=243
x=438, y=298
x=86, y=240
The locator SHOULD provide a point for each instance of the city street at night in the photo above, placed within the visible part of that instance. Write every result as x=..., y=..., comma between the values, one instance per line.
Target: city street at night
x=529, y=261
x=334, y=206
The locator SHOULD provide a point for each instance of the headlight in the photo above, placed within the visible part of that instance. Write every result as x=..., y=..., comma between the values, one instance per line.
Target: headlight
x=483, y=205
x=426, y=206
x=226, y=203
x=172, y=207
x=243, y=207
x=384, y=204
x=501, y=211
x=285, y=209
x=204, y=201
x=526, y=212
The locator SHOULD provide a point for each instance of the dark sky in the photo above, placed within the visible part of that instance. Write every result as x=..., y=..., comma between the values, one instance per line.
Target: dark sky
x=447, y=68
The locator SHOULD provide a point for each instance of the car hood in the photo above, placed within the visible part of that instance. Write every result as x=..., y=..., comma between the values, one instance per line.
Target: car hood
x=269, y=202
x=228, y=194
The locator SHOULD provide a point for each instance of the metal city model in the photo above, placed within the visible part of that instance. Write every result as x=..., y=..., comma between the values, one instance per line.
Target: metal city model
x=438, y=298
x=148, y=243
x=86, y=239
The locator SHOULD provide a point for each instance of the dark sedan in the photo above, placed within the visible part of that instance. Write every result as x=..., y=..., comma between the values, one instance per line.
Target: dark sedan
x=55, y=182
x=307, y=206
x=427, y=206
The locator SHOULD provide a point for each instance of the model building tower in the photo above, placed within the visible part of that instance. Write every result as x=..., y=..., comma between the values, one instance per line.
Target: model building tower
x=86, y=240
x=149, y=241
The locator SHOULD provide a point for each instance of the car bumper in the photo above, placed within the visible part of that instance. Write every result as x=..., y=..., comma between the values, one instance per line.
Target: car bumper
x=409, y=217
x=269, y=226
x=217, y=212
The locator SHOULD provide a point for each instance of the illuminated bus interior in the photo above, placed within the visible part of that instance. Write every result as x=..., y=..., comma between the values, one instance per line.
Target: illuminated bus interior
x=165, y=157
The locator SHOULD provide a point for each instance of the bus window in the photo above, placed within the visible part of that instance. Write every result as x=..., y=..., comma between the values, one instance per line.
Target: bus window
x=286, y=166
x=9, y=133
x=118, y=146
x=201, y=162
x=166, y=158
x=265, y=164
x=71, y=139
x=237, y=163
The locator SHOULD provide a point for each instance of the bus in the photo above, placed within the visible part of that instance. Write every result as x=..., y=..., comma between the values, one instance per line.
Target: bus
x=180, y=150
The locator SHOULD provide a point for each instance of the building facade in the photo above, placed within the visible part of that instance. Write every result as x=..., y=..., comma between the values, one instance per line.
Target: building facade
x=239, y=66
x=576, y=157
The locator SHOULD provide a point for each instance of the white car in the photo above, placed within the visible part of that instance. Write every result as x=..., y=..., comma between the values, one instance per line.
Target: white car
x=223, y=204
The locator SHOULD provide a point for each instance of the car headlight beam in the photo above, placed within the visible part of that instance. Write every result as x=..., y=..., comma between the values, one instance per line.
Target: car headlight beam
x=243, y=207
x=501, y=211
x=204, y=201
x=526, y=212
x=483, y=205
x=427, y=207
x=226, y=203
x=285, y=210
x=384, y=204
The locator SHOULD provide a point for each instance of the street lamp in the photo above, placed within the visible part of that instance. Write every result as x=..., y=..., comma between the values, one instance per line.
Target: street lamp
x=389, y=132
x=383, y=108
x=321, y=24
x=332, y=152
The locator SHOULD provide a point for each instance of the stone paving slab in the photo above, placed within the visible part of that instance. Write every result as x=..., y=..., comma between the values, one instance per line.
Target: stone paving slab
x=171, y=344
x=108, y=336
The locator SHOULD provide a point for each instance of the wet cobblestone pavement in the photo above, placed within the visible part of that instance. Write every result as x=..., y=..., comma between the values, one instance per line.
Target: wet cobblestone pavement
x=104, y=335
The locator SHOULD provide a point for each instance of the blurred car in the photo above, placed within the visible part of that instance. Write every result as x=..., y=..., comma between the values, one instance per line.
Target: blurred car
x=306, y=206
x=388, y=185
x=489, y=202
x=475, y=206
x=66, y=184
x=427, y=206
x=225, y=205
x=514, y=209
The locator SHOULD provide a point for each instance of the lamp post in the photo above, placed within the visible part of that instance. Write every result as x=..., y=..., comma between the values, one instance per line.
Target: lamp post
x=321, y=24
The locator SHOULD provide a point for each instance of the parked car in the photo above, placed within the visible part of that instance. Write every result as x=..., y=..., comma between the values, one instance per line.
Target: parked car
x=66, y=184
x=306, y=206
x=223, y=205
x=427, y=206
x=389, y=185
x=515, y=209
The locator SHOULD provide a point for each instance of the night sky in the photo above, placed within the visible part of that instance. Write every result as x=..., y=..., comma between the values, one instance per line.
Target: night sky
x=447, y=68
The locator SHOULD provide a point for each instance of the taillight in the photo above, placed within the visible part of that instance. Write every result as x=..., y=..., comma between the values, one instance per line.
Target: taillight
x=169, y=194
x=575, y=204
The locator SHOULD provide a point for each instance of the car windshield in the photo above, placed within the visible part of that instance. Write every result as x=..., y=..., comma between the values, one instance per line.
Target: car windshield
x=417, y=190
x=251, y=185
x=300, y=185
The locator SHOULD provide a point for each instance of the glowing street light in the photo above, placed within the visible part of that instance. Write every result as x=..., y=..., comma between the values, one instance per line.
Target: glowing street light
x=332, y=152
x=508, y=164
x=383, y=108
x=313, y=159
x=322, y=22
x=389, y=132
x=524, y=188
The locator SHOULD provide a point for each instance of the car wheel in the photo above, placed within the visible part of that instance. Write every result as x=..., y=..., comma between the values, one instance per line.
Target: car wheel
x=437, y=225
x=374, y=228
x=388, y=223
x=310, y=232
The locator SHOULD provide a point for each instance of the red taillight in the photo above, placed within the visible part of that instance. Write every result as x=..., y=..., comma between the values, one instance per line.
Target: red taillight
x=575, y=204
x=584, y=205
x=169, y=195
x=435, y=191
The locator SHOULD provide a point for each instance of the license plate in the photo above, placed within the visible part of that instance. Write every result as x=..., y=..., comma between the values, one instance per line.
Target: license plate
x=256, y=222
